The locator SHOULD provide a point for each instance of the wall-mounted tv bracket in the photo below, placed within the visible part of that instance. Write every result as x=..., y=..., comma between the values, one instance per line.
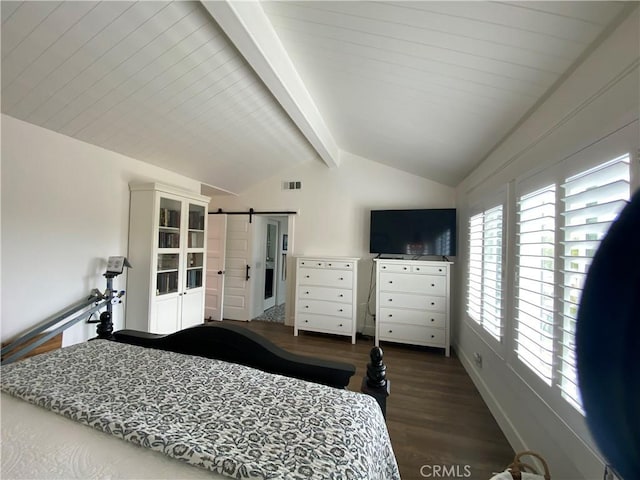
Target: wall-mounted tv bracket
x=96, y=300
x=251, y=212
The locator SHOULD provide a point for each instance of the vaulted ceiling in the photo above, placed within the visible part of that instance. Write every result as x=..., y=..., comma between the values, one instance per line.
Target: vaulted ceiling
x=230, y=93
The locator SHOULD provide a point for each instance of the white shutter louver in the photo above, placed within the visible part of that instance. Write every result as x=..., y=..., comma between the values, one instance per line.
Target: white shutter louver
x=592, y=201
x=484, y=293
x=535, y=291
x=474, y=290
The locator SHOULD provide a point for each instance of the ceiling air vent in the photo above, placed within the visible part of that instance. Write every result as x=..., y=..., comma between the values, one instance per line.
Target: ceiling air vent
x=292, y=185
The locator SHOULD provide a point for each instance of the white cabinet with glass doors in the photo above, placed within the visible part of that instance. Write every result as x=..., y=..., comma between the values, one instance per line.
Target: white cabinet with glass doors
x=167, y=249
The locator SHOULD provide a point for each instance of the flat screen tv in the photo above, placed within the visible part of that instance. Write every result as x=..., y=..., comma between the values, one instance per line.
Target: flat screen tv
x=413, y=232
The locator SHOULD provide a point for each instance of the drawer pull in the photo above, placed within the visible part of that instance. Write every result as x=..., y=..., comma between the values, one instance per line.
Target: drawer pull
x=384, y=267
x=306, y=276
x=341, y=295
x=433, y=284
x=391, y=299
x=433, y=336
x=348, y=265
x=341, y=278
x=439, y=269
x=306, y=321
x=433, y=319
x=390, y=281
x=319, y=264
x=390, y=331
x=390, y=315
x=306, y=293
x=404, y=268
x=340, y=310
x=330, y=264
x=340, y=325
x=417, y=269
x=432, y=303
x=306, y=306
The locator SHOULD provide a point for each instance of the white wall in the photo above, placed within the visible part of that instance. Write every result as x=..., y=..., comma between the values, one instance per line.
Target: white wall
x=600, y=97
x=65, y=209
x=333, y=209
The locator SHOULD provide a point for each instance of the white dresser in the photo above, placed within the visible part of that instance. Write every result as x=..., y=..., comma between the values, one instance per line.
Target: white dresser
x=326, y=295
x=413, y=302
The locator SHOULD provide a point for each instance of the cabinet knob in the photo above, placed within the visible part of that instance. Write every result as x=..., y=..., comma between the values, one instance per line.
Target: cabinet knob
x=185, y=293
x=329, y=264
x=306, y=306
x=341, y=278
x=390, y=331
x=340, y=325
x=433, y=336
x=432, y=303
x=384, y=267
x=306, y=293
x=433, y=319
x=439, y=269
x=307, y=276
x=341, y=295
x=340, y=310
x=391, y=299
x=306, y=321
x=390, y=281
x=319, y=264
x=390, y=315
x=417, y=269
x=433, y=284
x=404, y=268
x=348, y=265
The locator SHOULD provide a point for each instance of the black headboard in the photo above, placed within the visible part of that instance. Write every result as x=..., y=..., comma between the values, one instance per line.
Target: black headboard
x=236, y=344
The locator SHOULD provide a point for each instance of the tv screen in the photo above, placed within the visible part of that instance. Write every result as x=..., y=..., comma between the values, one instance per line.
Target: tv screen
x=413, y=232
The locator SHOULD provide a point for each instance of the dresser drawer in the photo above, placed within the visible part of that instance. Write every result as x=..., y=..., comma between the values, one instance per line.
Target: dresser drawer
x=419, y=302
x=334, y=264
x=412, y=317
x=312, y=292
x=428, y=270
x=324, y=308
x=395, y=267
x=325, y=277
x=413, y=334
x=307, y=321
x=426, y=284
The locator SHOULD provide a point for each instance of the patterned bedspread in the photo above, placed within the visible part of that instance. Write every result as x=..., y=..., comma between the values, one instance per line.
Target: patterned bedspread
x=223, y=417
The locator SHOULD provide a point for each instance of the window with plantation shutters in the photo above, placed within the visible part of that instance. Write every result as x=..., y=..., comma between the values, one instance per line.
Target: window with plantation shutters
x=484, y=292
x=591, y=201
x=535, y=271
x=558, y=230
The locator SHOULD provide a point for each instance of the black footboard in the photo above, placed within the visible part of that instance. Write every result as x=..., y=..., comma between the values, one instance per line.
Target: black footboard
x=235, y=344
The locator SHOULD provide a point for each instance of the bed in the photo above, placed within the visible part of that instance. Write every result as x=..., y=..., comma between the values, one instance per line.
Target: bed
x=187, y=416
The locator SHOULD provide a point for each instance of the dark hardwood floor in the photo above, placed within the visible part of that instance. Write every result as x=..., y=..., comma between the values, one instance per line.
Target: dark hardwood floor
x=436, y=418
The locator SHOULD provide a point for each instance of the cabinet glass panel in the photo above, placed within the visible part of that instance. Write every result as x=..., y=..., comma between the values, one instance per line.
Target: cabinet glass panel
x=196, y=226
x=194, y=270
x=167, y=282
x=167, y=276
x=169, y=223
x=168, y=261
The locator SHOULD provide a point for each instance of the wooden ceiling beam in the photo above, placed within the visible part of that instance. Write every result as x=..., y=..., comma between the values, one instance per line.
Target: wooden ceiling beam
x=250, y=30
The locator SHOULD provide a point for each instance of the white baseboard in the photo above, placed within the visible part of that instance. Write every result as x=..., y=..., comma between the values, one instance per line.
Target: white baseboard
x=513, y=437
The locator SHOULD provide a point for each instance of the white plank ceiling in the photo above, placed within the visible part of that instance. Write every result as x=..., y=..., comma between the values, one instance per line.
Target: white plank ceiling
x=426, y=87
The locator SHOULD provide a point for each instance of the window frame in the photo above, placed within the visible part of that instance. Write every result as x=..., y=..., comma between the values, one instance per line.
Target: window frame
x=528, y=183
x=481, y=205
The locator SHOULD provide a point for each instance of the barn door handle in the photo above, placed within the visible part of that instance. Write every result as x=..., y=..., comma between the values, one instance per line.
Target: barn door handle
x=247, y=274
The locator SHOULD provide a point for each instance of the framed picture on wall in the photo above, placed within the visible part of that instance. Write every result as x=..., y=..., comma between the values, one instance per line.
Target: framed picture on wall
x=285, y=242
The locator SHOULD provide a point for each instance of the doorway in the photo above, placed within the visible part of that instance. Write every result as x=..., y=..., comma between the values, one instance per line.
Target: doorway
x=255, y=267
x=270, y=265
